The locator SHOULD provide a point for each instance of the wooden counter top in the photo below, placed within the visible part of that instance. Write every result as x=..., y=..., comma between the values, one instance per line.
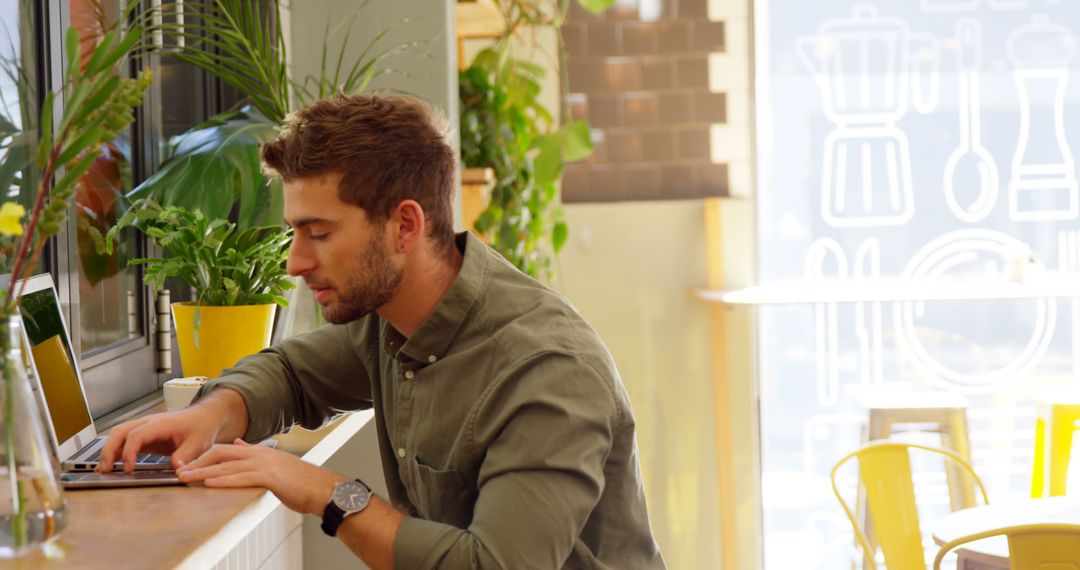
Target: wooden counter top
x=178, y=526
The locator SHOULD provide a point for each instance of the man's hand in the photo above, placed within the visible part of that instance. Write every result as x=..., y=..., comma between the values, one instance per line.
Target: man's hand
x=185, y=434
x=299, y=485
x=304, y=488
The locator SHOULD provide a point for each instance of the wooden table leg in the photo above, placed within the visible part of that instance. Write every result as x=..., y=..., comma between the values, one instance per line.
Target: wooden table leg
x=964, y=562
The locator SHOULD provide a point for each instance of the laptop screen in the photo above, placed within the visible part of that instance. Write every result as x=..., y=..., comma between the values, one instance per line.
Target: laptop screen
x=55, y=363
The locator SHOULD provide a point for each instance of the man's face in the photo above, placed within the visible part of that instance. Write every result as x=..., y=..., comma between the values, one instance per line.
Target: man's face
x=343, y=257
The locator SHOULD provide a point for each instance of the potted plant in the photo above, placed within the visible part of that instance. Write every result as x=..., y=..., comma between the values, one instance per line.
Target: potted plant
x=505, y=126
x=237, y=277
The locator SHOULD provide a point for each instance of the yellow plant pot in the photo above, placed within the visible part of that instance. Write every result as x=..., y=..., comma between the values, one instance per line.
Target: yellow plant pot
x=224, y=335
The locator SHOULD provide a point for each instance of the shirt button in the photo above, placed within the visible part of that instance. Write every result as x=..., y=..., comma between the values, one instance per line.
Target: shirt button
x=409, y=374
x=401, y=452
x=432, y=358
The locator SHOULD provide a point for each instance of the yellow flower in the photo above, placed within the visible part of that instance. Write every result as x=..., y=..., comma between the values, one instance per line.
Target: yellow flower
x=10, y=216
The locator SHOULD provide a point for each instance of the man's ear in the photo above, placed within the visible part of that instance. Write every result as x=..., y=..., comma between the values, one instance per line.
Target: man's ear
x=409, y=221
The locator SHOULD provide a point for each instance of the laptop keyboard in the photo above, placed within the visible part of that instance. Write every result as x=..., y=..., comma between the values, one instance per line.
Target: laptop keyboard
x=144, y=458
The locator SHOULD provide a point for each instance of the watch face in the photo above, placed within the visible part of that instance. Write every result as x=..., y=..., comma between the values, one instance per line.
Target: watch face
x=351, y=496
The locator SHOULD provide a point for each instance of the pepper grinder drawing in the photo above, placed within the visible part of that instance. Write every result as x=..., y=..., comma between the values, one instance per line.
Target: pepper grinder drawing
x=1043, y=185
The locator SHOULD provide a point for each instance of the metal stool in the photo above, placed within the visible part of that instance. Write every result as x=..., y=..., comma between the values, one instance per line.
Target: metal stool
x=936, y=412
x=1056, y=414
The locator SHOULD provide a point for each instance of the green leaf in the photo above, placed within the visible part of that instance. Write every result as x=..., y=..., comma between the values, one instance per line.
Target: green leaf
x=559, y=233
x=71, y=46
x=548, y=192
x=17, y=160
x=223, y=265
x=484, y=222
x=7, y=128
x=74, y=171
x=197, y=323
x=254, y=193
x=76, y=111
x=577, y=141
x=548, y=161
x=46, y=130
x=86, y=141
x=122, y=49
x=483, y=61
x=215, y=166
x=102, y=51
x=595, y=6
x=97, y=98
x=96, y=238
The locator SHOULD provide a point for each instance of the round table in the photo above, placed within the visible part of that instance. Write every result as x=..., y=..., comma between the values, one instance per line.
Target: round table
x=993, y=553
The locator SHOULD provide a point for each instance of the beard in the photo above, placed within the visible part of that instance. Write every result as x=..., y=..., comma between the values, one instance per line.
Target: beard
x=369, y=284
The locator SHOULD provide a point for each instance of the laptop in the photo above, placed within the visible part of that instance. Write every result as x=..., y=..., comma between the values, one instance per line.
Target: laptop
x=58, y=382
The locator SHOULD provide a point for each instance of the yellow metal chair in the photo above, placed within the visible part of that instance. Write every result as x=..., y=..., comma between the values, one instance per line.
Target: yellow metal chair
x=1056, y=416
x=1031, y=547
x=885, y=472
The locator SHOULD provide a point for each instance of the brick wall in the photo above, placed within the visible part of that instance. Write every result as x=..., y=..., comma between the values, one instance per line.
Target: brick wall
x=646, y=74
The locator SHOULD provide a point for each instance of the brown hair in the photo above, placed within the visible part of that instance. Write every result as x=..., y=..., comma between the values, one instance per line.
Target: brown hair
x=388, y=148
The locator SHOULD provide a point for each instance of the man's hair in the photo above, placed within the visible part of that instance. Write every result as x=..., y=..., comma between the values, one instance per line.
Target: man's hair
x=388, y=148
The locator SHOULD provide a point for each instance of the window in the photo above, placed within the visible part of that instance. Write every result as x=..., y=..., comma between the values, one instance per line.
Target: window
x=928, y=141
x=18, y=95
x=109, y=311
x=108, y=317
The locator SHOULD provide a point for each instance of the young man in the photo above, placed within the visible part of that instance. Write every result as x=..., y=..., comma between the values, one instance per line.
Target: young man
x=506, y=436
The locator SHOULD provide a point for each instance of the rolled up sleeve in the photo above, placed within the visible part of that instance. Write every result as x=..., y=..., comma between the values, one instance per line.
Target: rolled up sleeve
x=303, y=380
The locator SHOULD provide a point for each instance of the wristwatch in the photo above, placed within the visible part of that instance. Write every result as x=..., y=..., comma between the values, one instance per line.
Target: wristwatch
x=348, y=498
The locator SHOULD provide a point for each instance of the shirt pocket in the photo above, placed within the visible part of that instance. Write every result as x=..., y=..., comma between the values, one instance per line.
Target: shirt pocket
x=442, y=496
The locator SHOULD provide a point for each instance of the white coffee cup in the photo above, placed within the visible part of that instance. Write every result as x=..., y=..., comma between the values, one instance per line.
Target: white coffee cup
x=179, y=392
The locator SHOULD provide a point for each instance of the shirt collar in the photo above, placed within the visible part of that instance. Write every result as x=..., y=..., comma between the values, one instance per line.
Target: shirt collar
x=430, y=342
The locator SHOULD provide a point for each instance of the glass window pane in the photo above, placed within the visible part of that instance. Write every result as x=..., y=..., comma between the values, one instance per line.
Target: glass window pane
x=923, y=142
x=183, y=96
x=18, y=100
x=109, y=291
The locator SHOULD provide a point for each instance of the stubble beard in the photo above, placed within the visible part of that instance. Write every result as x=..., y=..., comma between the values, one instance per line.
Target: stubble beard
x=368, y=286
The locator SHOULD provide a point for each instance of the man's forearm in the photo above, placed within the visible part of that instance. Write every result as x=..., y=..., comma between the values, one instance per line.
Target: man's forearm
x=371, y=534
x=230, y=406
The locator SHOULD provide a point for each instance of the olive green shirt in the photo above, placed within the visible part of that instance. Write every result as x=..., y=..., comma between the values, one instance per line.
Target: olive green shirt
x=504, y=429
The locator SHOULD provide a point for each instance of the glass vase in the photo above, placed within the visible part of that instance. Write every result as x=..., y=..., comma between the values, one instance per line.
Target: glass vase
x=32, y=507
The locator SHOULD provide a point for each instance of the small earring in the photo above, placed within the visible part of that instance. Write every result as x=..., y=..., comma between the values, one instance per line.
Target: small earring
x=402, y=247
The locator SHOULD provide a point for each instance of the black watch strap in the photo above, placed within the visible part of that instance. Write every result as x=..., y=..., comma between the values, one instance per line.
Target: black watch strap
x=332, y=518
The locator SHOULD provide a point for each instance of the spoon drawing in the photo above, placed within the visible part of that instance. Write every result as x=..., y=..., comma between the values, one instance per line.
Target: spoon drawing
x=970, y=161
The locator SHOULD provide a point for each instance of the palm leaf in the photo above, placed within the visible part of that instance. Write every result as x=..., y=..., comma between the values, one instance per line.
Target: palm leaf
x=16, y=161
x=232, y=40
x=214, y=166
